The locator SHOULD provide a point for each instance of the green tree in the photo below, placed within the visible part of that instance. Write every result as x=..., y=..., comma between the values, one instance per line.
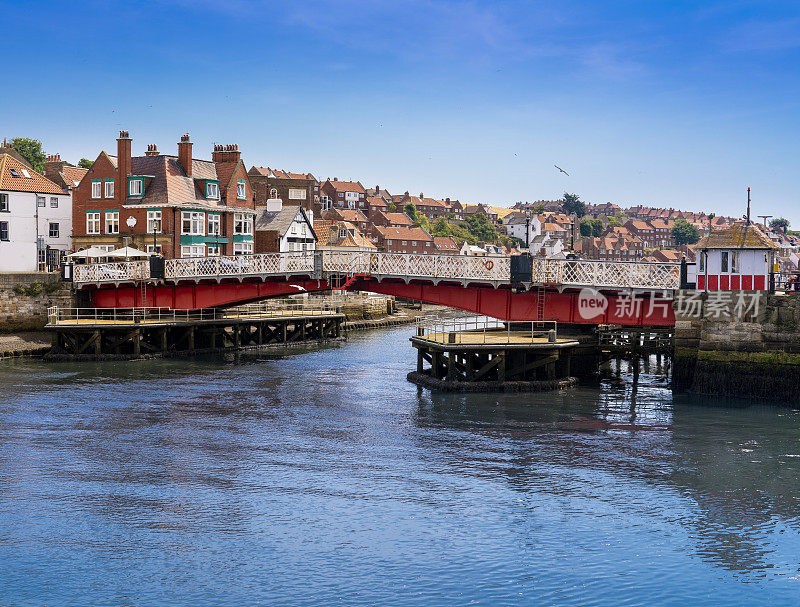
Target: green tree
x=30, y=150
x=591, y=227
x=411, y=211
x=684, y=232
x=481, y=228
x=780, y=222
x=614, y=222
x=440, y=227
x=573, y=204
x=538, y=209
x=85, y=163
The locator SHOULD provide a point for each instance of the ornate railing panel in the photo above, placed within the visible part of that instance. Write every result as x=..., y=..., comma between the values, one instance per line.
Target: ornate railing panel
x=241, y=265
x=611, y=274
x=455, y=267
x=111, y=272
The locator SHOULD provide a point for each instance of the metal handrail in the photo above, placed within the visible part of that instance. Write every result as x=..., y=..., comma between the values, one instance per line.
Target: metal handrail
x=63, y=316
x=491, y=330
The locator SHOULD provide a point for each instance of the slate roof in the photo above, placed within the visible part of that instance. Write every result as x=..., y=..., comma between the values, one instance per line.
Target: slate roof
x=739, y=236
x=279, y=221
x=36, y=183
x=171, y=186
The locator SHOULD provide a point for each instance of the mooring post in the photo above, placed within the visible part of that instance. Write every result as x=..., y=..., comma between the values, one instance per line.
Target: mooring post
x=137, y=341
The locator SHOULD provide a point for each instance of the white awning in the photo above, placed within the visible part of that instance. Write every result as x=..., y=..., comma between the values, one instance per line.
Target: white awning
x=128, y=253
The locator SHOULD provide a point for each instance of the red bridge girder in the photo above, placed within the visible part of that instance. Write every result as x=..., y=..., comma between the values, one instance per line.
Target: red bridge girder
x=196, y=296
x=502, y=303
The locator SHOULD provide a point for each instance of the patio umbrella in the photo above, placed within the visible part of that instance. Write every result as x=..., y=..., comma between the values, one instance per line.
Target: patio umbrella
x=90, y=253
x=128, y=253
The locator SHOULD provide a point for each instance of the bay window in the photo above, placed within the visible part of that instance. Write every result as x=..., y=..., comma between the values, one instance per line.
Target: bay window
x=243, y=248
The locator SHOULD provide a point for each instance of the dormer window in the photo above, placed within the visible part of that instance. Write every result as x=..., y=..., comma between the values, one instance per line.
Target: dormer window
x=212, y=190
x=135, y=187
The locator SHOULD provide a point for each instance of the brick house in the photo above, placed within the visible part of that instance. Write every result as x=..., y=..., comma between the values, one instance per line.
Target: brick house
x=342, y=194
x=354, y=216
x=404, y=240
x=335, y=235
x=179, y=205
x=298, y=189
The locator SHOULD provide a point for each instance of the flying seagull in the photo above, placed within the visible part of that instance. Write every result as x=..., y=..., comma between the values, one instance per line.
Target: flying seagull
x=562, y=170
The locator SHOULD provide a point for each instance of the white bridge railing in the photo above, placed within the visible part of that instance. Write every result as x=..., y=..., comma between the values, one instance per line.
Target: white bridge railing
x=606, y=274
x=324, y=264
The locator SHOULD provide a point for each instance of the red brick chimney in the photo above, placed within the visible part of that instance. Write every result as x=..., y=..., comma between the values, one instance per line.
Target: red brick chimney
x=123, y=166
x=421, y=196
x=152, y=150
x=185, y=154
x=226, y=153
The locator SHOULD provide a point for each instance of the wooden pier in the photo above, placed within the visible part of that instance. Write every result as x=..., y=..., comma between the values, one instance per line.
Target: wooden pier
x=468, y=359
x=152, y=332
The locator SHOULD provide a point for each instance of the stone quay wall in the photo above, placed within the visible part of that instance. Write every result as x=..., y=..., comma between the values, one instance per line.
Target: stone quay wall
x=25, y=297
x=750, y=352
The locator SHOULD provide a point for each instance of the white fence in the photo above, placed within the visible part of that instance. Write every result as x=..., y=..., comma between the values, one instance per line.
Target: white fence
x=606, y=274
x=459, y=267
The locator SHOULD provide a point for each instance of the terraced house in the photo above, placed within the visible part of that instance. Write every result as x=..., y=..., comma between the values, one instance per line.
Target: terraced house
x=177, y=205
x=297, y=189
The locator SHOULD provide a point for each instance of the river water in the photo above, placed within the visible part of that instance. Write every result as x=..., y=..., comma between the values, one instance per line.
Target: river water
x=322, y=477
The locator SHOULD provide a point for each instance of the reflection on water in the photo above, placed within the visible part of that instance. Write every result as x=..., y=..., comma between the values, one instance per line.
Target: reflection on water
x=322, y=476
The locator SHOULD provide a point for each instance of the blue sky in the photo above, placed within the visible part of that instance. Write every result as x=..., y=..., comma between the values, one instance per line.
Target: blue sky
x=676, y=103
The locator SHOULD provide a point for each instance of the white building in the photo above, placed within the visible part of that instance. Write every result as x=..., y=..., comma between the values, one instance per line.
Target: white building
x=283, y=229
x=517, y=226
x=737, y=258
x=35, y=219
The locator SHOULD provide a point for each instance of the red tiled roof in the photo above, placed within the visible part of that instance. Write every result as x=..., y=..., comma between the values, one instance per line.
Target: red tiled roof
x=403, y=233
x=445, y=243
x=74, y=174
x=36, y=183
x=398, y=218
x=347, y=186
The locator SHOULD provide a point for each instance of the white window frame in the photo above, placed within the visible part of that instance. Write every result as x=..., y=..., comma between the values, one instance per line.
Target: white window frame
x=50, y=230
x=54, y=202
x=241, y=189
x=154, y=216
x=108, y=188
x=214, y=224
x=193, y=250
x=93, y=222
x=197, y=221
x=5, y=224
x=112, y=222
x=273, y=193
x=97, y=188
x=243, y=224
x=4, y=203
x=41, y=201
x=135, y=187
x=242, y=248
x=297, y=194
x=152, y=249
x=213, y=250
x=212, y=190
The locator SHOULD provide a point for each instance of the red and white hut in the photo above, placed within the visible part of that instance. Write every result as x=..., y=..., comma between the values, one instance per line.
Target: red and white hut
x=739, y=257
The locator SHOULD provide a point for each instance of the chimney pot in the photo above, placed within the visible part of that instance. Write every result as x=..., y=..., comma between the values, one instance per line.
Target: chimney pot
x=336, y=179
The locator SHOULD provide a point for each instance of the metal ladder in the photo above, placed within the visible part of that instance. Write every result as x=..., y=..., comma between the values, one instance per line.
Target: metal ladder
x=540, y=296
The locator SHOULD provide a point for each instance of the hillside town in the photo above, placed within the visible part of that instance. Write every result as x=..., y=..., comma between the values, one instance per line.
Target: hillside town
x=178, y=205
